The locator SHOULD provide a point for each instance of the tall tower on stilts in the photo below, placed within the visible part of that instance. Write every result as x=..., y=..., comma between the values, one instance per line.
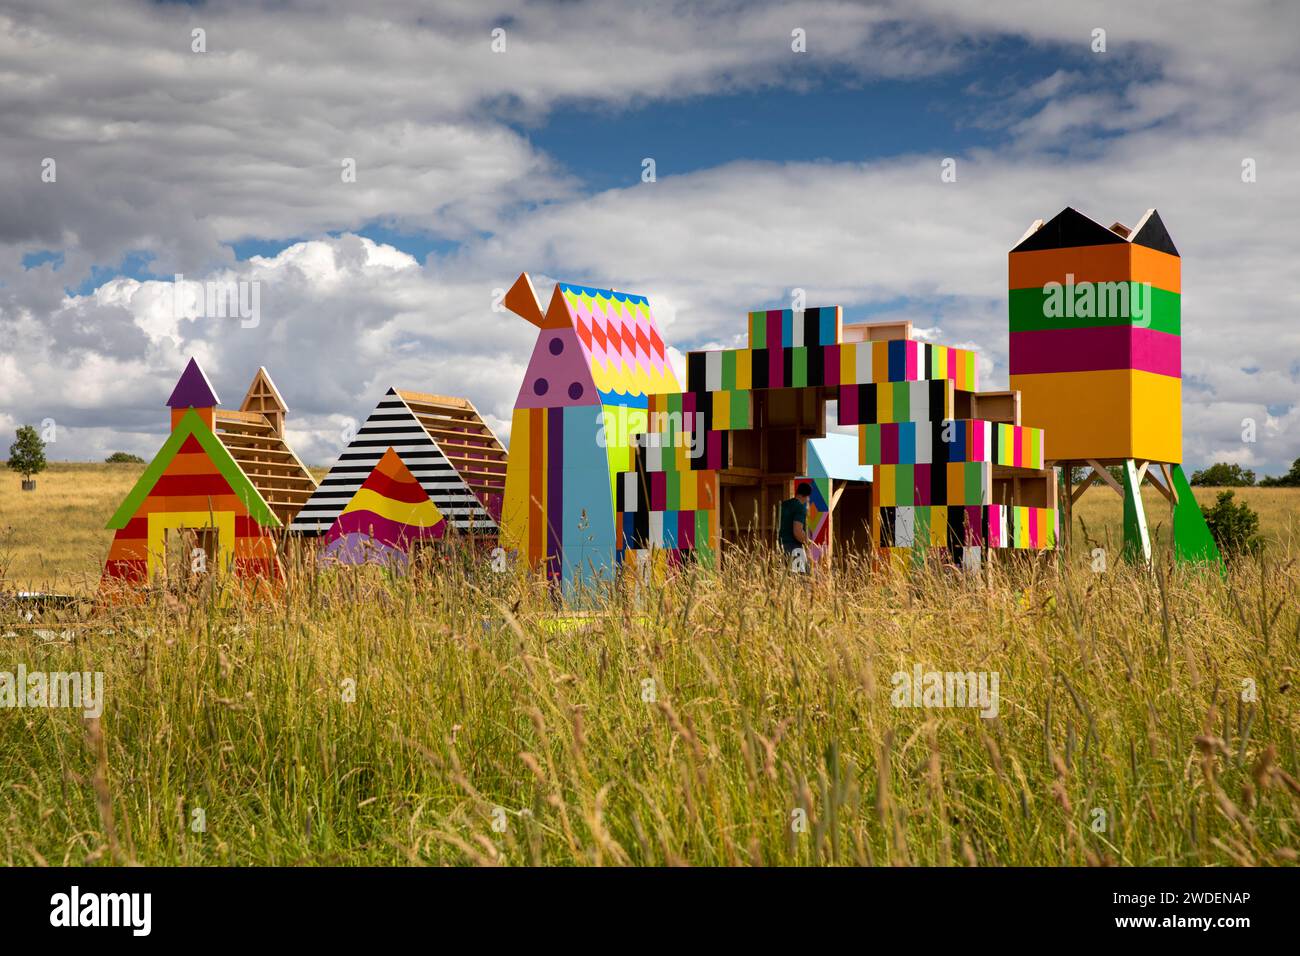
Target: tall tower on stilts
x=1096, y=353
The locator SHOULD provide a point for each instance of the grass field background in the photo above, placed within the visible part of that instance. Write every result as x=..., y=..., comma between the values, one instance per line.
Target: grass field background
x=53, y=539
x=737, y=717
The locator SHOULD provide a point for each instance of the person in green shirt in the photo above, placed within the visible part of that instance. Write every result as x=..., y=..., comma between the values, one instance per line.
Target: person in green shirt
x=793, y=532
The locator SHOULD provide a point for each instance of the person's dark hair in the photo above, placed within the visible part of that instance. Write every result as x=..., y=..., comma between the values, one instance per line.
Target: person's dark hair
x=804, y=489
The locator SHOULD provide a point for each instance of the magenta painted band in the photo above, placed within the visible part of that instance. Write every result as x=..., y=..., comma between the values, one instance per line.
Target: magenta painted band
x=1096, y=349
x=383, y=530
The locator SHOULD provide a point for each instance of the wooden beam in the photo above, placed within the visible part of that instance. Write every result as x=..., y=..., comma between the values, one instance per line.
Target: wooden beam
x=1105, y=476
x=498, y=475
x=426, y=398
x=1166, y=492
x=1168, y=472
x=485, y=450
x=256, y=420
x=1068, y=504
x=1083, y=486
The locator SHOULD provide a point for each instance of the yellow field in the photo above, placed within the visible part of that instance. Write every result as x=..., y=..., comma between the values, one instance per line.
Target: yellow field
x=53, y=539
x=1100, y=512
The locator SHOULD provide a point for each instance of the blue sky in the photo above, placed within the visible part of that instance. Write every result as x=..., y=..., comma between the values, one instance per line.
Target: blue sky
x=805, y=114
x=810, y=114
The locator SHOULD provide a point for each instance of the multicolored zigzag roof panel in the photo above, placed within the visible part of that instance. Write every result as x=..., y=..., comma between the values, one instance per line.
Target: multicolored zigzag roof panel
x=621, y=340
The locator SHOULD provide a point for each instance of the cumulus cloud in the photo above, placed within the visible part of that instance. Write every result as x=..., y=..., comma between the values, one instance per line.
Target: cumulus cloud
x=179, y=154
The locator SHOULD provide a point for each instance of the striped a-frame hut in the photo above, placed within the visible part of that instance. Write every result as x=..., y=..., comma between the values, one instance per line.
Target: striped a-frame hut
x=194, y=509
x=448, y=448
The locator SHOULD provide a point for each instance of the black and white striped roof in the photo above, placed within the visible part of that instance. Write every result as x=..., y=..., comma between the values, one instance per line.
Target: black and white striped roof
x=393, y=425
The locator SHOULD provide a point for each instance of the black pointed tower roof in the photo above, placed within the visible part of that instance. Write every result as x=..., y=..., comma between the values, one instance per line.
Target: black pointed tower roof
x=1068, y=228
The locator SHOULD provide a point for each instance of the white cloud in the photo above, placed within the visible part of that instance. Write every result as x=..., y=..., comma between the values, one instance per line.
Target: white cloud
x=178, y=153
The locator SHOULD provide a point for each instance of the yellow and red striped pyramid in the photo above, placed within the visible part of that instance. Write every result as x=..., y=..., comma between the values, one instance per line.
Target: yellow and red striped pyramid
x=388, y=514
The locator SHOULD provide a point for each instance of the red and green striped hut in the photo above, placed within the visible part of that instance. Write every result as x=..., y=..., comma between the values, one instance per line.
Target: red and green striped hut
x=194, y=510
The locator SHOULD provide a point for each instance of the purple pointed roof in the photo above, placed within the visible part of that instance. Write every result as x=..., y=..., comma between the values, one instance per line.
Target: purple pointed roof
x=193, y=390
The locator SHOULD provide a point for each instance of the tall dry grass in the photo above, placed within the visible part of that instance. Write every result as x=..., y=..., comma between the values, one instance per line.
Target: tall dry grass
x=731, y=718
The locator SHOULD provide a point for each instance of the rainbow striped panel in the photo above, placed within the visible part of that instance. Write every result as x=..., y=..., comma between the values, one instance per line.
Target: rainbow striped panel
x=940, y=526
x=673, y=511
x=956, y=440
x=920, y=401
x=389, y=513
x=862, y=363
x=957, y=483
x=954, y=526
x=1032, y=528
x=192, y=483
x=789, y=328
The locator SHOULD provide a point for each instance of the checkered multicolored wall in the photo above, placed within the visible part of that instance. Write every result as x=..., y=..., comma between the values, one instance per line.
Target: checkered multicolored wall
x=934, y=470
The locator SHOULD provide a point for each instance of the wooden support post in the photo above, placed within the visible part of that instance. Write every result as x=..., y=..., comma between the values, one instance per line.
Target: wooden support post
x=1068, y=505
x=1168, y=473
x=1137, y=542
x=1165, y=491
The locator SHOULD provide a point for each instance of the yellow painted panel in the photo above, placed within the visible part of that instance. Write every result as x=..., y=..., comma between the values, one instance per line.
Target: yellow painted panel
x=888, y=474
x=1085, y=414
x=160, y=522
x=744, y=369
x=848, y=364
x=1117, y=413
x=884, y=403
x=688, y=490
x=938, y=527
x=514, y=503
x=722, y=410
x=1157, y=417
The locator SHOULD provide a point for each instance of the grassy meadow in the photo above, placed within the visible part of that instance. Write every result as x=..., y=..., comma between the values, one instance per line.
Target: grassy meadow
x=457, y=716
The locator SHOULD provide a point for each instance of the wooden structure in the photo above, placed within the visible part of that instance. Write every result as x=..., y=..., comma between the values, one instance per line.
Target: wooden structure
x=1096, y=351
x=388, y=518
x=255, y=438
x=444, y=442
x=212, y=496
x=952, y=467
x=597, y=361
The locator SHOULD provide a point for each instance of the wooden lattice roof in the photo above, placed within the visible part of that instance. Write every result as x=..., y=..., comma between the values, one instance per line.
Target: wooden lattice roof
x=465, y=439
x=254, y=436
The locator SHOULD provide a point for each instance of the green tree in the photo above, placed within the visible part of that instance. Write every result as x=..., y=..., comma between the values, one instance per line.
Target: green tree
x=1224, y=475
x=1235, y=525
x=27, y=454
x=1290, y=480
x=124, y=458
